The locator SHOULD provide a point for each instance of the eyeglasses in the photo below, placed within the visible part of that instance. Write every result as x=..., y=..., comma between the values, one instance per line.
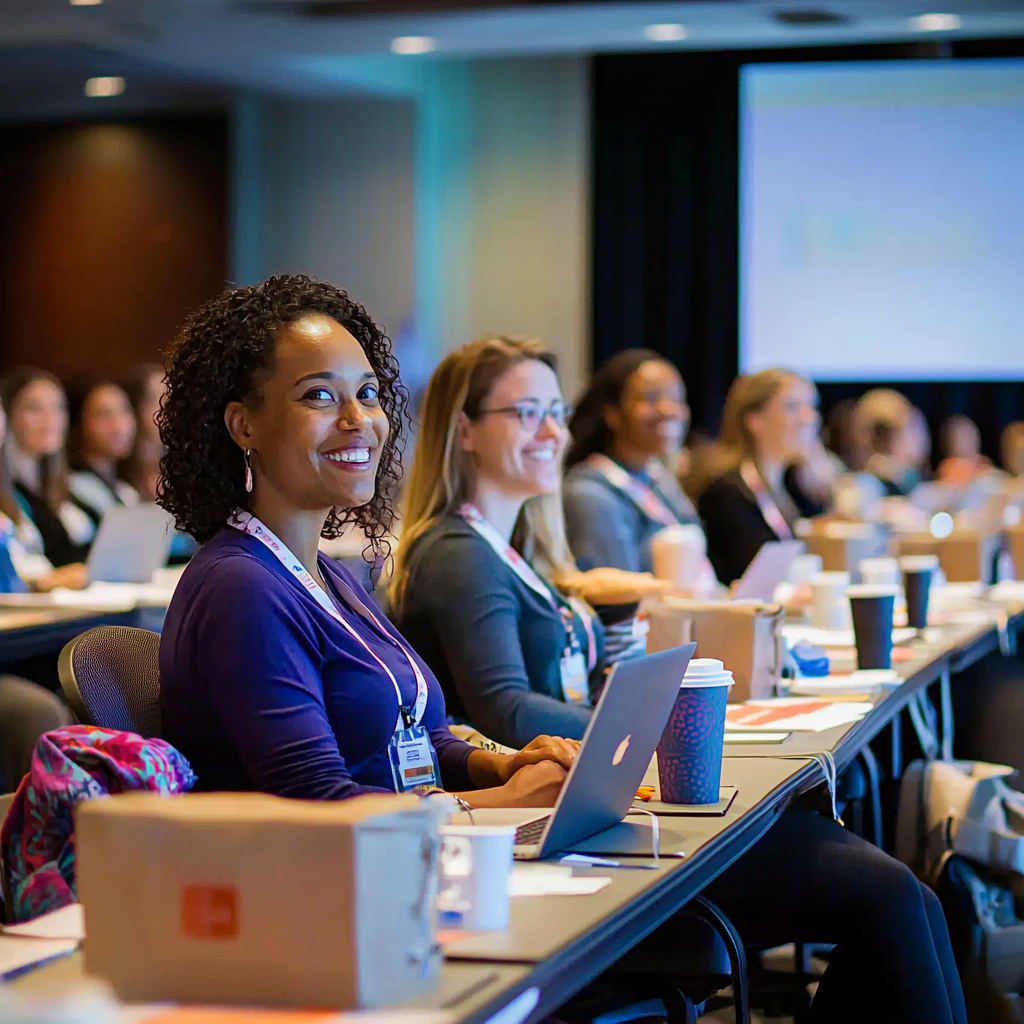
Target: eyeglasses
x=532, y=414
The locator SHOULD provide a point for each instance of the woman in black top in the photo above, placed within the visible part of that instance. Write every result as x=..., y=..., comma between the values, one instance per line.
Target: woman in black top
x=38, y=422
x=770, y=422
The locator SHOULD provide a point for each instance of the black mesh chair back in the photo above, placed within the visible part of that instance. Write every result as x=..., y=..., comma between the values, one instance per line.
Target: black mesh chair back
x=111, y=678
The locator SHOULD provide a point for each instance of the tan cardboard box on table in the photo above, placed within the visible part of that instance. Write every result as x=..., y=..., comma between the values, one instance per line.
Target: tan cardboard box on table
x=233, y=899
x=965, y=555
x=745, y=636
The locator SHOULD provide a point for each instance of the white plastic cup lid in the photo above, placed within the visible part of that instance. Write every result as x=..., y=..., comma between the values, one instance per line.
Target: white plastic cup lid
x=872, y=590
x=707, y=672
x=919, y=563
x=832, y=578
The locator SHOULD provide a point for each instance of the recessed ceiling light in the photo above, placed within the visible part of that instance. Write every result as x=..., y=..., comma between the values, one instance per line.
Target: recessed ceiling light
x=96, y=87
x=85, y=3
x=668, y=33
x=936, y=22
x=407, y=45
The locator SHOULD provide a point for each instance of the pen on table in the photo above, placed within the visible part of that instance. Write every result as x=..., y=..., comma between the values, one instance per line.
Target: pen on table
x=601, y=862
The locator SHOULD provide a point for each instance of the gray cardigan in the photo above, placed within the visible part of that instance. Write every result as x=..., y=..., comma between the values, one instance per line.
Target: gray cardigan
x=605, y=526
x=493, y=643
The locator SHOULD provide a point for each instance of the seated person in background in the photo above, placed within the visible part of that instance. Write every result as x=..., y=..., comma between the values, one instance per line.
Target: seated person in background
x=101, y=437
x=1011, y=446
x=770, y=422
x=961, y=446
x=484, y=585
x=281, y=425
x=23, y=566
x=893, y=440
x=38, y=423
x=145, y=389
x=490, y=409
x=629, y=427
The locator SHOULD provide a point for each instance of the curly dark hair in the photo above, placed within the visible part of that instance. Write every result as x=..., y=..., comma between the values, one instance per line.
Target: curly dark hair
x=220, y=350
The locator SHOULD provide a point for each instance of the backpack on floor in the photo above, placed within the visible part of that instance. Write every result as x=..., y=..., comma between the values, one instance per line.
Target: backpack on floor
x=960, y=827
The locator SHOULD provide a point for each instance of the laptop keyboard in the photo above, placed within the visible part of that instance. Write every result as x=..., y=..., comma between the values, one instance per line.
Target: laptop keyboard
x=530, y=833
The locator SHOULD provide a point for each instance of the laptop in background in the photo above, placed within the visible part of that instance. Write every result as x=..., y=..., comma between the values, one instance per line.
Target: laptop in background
x=769, y=568
x=617, y=747
x=130, y=545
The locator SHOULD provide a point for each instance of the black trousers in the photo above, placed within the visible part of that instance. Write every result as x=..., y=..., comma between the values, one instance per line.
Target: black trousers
x=810, y=880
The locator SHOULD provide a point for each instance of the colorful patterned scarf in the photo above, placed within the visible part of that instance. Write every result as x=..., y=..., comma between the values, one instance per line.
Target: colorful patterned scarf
x=78, y=762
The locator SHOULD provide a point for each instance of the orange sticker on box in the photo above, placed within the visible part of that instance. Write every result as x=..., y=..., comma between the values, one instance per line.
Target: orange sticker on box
x=209, y=911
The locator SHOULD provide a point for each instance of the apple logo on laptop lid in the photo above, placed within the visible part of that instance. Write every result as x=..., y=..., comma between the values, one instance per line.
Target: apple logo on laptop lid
x=620, y=750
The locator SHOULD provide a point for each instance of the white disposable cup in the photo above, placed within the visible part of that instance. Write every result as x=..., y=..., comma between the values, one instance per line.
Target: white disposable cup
x=830, y=610
x=880, y=571
x=476, y=862
x=678, y=554
x=804, y=568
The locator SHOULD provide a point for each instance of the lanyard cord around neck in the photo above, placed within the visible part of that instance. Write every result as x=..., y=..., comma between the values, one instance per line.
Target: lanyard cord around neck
x=770, y=511
x=522, y=568
x=250, y=525
x=644, y=497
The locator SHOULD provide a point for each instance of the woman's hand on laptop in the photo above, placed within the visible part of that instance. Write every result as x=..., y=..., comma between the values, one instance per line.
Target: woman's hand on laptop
x=71, y=577
x=534, y=785
x=544, y=748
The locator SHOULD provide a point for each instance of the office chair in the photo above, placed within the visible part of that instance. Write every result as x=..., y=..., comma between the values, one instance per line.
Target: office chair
x=27, y=710
x=110, y=676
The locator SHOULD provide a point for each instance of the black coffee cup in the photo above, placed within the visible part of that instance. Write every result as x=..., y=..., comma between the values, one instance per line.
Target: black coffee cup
x=872, y=610
x=917, y=583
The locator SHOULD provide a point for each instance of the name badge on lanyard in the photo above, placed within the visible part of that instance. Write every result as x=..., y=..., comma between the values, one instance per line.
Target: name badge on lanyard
x=412, y=755
x=575, y=664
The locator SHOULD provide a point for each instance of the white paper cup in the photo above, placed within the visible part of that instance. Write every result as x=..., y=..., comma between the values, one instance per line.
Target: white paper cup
x=830, y=610
x=804, y=568
x=678, y=553
x=476, y=862
x=880, y=571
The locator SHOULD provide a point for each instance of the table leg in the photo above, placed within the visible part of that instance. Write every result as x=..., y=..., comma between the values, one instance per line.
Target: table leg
x=946, y=703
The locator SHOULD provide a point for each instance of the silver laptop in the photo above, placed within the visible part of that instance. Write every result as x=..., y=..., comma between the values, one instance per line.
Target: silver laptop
x=130, y=545
x=617, y=748
x=769, y=568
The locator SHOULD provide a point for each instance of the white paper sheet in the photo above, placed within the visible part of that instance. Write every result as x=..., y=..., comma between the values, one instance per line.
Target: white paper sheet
x=66, y=923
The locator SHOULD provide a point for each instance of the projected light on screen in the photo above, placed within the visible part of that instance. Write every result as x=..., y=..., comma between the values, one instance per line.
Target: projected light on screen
x=882, y=219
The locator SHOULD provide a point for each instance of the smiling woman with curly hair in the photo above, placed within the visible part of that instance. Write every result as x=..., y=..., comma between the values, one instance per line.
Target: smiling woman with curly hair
x=282, y=424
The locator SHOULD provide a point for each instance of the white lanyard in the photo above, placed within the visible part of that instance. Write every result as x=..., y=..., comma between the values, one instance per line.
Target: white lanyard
x=519, y=565
x=250, y=525
x=645, y=498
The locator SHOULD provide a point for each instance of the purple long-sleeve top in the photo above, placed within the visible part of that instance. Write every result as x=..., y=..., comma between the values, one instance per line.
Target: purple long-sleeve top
x=264, y=690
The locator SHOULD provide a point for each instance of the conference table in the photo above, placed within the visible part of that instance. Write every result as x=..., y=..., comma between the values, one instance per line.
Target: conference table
x=555, y=945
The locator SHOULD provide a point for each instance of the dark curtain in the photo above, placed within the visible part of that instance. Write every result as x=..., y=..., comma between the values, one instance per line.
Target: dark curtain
x=665, y=224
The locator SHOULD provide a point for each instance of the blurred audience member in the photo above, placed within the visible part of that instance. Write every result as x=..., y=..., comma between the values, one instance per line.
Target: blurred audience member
x=102, y=435
x=43, y=525
x=839, y=434
x=620, y=488
x=145, y=388
x=961, y=446
x=893, y=438
x=1012, y=449
x=770, y=423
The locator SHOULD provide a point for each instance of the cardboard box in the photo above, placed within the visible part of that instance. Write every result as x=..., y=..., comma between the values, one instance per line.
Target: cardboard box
x=747, y=637
x=966, y=556
x=842, y=546
x=248, y=899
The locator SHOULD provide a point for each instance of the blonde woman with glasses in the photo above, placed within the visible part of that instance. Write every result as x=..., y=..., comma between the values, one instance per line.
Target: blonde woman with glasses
x=485, y=587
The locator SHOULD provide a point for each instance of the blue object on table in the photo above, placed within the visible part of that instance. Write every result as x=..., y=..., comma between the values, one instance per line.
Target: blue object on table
x=811, y=661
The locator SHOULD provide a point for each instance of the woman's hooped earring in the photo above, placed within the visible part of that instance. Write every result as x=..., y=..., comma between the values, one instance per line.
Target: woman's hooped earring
x=248, y=472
